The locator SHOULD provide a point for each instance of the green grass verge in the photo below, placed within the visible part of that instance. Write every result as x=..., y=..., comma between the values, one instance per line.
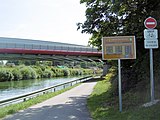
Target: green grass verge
x=21, y=106
x=103, y=102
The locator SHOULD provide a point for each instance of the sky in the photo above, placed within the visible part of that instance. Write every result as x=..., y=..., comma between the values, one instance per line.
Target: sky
x=49, y=20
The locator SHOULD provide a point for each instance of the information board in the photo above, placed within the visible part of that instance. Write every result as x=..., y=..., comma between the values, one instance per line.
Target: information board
x=118, y=47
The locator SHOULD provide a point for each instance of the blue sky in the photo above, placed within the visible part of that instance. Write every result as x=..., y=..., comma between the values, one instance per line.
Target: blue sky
x=51, y=20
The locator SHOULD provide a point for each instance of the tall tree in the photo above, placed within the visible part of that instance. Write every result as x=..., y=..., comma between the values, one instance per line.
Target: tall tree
x=118, y=17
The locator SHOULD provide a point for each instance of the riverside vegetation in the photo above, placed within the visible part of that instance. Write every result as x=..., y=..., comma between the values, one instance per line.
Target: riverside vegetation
x=103, y=103
x=23, y=72
x=106, y=18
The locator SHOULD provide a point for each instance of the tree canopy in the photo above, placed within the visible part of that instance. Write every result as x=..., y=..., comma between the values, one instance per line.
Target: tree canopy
x=118, y=17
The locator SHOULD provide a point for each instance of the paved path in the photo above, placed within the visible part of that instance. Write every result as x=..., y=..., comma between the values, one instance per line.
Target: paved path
x=70, y=105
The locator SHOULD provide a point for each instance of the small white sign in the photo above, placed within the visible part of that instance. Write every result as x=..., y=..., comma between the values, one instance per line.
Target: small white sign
x=150, y=34
x=151, y=44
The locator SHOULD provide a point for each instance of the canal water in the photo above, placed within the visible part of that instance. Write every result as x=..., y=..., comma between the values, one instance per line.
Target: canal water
x=11, y=89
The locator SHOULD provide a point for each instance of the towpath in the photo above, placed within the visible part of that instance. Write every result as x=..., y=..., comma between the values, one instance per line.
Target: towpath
x=70, y=105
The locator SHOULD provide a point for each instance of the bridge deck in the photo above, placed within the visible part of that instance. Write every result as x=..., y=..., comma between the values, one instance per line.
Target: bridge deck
x=14, y=48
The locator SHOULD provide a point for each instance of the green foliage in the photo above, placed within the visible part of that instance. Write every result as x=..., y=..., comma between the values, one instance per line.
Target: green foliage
x=23, y=72
x=123, y=17
x=6, y=75
x=33, y=73
x=47, y=73
x=17, y=74
x=66, y=72
x=38, y=71
x=104, y=103
x=58, y=72
x=74, y=72
x=28, y=73
x=87, y=71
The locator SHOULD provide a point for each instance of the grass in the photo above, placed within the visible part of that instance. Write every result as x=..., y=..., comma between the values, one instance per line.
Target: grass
x=21, y=106
x=103, y=102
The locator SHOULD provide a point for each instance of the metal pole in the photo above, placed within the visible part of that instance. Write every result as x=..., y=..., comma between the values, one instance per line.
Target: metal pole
x=119, y=84
x=151, y=75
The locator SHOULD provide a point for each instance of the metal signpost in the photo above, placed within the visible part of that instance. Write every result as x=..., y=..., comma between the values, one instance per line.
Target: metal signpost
x=117, y=48
x=151, y=42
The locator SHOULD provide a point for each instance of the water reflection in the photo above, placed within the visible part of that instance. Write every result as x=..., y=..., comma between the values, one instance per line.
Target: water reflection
x=13, y=88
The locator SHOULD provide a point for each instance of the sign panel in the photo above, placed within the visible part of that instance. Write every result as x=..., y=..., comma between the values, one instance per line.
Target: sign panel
x=118, y=47
x=150, y=23
x=151, y=38
x=151, y=44
x=150, y=34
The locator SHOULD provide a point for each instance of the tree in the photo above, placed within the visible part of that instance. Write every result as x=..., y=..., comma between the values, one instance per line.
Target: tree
x=83, y=64
x=123, y=17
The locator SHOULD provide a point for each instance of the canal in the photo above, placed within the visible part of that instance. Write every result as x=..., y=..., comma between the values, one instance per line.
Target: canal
x=11, y=89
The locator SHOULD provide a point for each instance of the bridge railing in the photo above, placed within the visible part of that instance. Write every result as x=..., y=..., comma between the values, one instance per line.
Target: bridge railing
x=30, y=95
x=47, y=47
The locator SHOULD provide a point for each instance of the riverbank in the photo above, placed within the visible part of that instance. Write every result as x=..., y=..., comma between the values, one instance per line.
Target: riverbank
x=10, y=89
x=66, y=106
x=103, y=103
x=11, y=109
x=22, y=72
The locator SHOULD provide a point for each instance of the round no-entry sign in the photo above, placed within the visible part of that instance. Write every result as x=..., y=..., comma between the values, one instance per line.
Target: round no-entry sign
x=150, y=23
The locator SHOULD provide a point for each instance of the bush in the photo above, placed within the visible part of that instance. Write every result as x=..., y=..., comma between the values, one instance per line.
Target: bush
x=66, y=72
x=38, y=71
x=47, y=74
x=28, y=73
x=17, y=74
x=80, y=72
x=23, y=72
x=57, y=72
x=72, y=71
x=87, y=71
x=6, y=75
x=33, y=73
x=76, y=72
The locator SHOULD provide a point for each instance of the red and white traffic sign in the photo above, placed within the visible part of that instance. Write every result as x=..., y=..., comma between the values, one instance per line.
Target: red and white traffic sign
x=150, y=23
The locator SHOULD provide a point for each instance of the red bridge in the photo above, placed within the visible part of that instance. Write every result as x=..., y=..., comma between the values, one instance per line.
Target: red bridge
x=14, y=48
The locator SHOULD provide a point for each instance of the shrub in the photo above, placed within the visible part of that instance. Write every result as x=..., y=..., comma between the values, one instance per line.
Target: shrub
x=38, y=71
x=57, y=72
x=6, y=75
x=47, y=74
x=17, y=74
x=80, y=72
x=43, y=67
x=87, y=71
x=75, y=72
x=33, y=73
x=66, y=72
x=28, y=73
x=72, y=71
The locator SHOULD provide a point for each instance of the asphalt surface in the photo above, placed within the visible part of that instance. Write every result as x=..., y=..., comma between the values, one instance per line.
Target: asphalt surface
x=70, y=105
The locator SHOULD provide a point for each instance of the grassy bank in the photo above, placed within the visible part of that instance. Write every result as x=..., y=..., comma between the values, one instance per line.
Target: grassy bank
x=21, y=106
x=103, y=102
x=22, y=72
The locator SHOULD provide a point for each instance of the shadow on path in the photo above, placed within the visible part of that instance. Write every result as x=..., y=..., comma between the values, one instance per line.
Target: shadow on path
x=70, y=105
x=74, y=109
